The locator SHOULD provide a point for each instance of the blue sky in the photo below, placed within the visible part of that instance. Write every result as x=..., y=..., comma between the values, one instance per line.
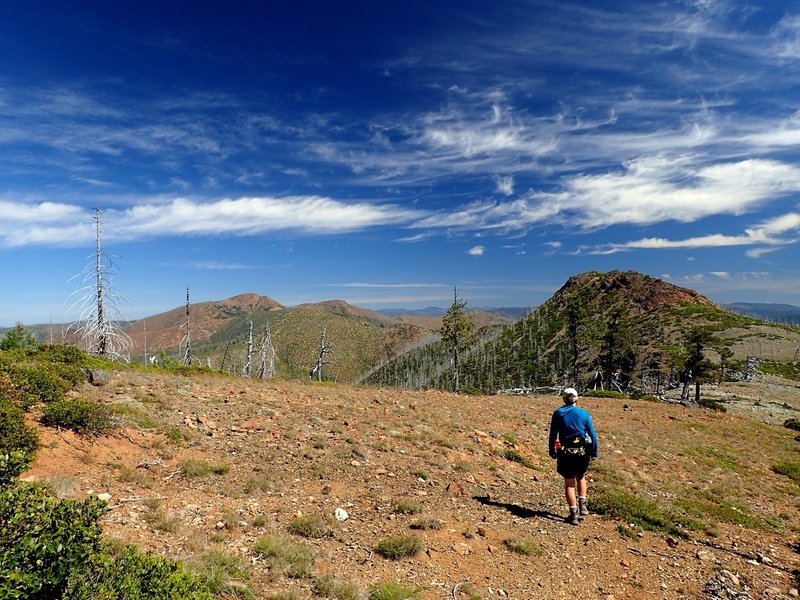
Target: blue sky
x=382, y=152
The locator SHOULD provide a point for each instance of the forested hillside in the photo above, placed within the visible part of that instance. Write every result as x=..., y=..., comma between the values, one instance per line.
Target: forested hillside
x=609, y=330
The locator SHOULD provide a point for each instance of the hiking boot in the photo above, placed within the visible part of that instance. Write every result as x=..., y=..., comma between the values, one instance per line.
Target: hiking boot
x=583, y=510
x=572, y=519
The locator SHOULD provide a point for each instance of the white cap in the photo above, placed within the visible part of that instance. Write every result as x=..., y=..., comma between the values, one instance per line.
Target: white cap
x=570, y=395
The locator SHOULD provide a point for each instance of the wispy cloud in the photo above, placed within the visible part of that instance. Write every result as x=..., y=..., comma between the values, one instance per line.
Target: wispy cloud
x=476, y=251
x=780, y=231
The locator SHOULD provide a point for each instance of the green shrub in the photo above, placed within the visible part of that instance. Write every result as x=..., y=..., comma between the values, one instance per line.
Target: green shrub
x=523, y=546
x=404, y=506
x=329, y=587
x=15, y=434
x=791, y=470
x=224, y=573
x=285, y=556
x=426, y=523
x=44, y=540
x=712, y=404
x=11, y=465
x=792, y=424
x=194, y=467
x=394, y=591
x=516, y=457
x=310, y=526
x=398, y=547
x=603, y=394
x=645, y=514
x=627, y=532
x=80, y=415
x=37, y=383
x=131, y=574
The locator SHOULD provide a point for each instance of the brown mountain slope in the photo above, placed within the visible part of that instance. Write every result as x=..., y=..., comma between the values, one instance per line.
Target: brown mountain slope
x=340, y=307
x=468, y=477
x=641, y=293
x=165, y=330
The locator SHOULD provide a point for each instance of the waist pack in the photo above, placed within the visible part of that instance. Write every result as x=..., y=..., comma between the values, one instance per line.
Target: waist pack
x=573, y=446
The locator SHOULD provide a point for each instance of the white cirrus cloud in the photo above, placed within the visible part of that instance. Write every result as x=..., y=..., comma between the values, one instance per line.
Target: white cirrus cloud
x=476, y=251
x=779, y=231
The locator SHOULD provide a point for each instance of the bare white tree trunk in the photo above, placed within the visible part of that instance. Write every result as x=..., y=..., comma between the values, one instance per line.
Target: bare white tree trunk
x=267, y=355
x=324, y=348
x=248, y=365
x=188, y=357
x=98, y=334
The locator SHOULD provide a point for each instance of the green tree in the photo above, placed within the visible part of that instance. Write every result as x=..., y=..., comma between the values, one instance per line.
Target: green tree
x=458, y=334
x=697, y=368
x=580, y=331
x=618, y=349
x=18, y=337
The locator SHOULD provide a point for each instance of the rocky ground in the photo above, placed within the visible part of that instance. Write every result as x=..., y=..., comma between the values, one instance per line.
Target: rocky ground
x=471, y=471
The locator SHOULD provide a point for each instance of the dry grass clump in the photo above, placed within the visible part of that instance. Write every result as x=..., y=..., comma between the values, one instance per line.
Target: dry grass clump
x=330, y=587
x=285, y=556
x=522, y=546
x=395, y=548
x=310, y=526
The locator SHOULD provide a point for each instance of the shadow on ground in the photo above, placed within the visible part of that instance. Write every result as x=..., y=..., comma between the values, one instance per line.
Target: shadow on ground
x=519, y=511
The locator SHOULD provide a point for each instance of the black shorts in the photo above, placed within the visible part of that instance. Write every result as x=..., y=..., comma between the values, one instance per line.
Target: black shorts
x=572, y=466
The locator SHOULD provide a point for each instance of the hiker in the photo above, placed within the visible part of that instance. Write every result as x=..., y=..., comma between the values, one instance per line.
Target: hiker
x=573, y=443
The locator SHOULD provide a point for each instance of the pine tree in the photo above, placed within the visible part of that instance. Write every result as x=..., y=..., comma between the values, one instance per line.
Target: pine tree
x=458, y=334
x=18, y=337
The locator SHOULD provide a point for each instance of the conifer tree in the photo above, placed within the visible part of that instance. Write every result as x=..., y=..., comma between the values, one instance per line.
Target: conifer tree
x=458, y=334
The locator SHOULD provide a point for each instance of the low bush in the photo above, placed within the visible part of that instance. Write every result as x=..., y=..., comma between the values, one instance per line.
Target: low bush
x=80, y=415
x=131, y=574
x=394, y=591
x=15, y=434
x=792, y=424
x=224, y=573
x=603, y=394
x=284, y=556
x=310, y=526
x=516, y=457
x=44, y=540
x=646, y=515
x=329, y=587
x=523, y=546
x=405, y=506
x=426, y=523
x=789, y=469
x=712, y=404
x=398, y=547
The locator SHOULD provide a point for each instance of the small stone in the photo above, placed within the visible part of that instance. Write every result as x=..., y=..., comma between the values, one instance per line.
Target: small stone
x=703, y=555
x=764, y=560
x=220, y=525
x=355, y=463
x=481, y=531
x=105, y=496
x=624, y=562
x=728, y=578
x=794, y=593
x=341, y=514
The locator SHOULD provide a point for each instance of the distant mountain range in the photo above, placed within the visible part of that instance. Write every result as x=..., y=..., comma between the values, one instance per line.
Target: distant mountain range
x=777, y=313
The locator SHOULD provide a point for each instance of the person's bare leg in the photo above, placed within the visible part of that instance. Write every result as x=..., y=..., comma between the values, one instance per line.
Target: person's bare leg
x=583, y=510
x=572, y=501
x=569, y=492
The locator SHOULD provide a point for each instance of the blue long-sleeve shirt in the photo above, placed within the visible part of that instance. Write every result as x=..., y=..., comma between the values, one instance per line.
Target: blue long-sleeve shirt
x=570, y=420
